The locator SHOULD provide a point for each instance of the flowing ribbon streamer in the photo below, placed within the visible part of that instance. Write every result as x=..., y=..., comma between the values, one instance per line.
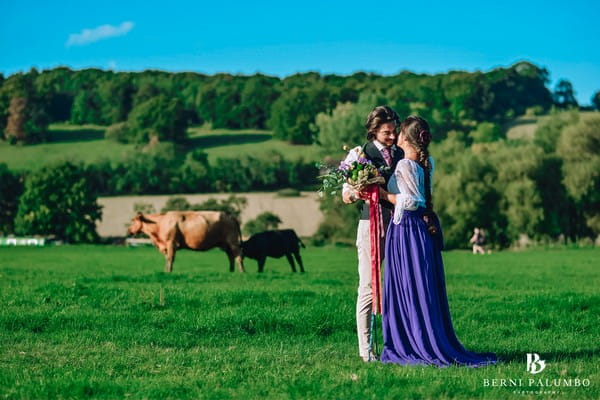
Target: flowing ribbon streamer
x=376, y=233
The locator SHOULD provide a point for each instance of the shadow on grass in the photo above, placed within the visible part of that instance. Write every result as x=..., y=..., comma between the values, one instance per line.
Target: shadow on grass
x=520, y=356
x=225, y=140
x=523, y=121
x=70, y=136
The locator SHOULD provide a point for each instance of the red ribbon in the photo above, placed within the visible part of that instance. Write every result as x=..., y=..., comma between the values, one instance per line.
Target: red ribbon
x=376, y=233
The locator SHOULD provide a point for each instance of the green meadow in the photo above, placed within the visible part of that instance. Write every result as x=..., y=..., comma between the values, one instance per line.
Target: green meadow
x=86, y=143
x=81, y=143
x=105, y=322
x=226, y=143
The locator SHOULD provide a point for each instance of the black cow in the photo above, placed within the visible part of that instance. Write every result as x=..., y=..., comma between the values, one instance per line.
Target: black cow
x=273, y=244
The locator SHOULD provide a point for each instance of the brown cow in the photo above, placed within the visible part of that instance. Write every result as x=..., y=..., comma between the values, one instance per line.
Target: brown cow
x=194, y=230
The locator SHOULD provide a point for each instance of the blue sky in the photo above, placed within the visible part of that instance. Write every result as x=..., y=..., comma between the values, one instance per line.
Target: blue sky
x=281, y=38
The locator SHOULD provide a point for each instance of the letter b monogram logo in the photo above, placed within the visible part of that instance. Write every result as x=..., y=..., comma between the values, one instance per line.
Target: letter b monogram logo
x=534, y=364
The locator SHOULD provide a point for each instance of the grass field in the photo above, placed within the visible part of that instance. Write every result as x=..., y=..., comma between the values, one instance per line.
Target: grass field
x=83, y=143
x=88, y=321
x=224, y=142
x=86, y=143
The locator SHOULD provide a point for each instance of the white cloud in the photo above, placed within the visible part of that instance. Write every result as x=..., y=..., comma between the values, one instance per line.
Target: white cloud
x=101, y=32
x=112, y=64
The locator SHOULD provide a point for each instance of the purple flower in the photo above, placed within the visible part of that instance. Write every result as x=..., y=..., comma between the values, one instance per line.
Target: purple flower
x=344, y=166
x=364, y=161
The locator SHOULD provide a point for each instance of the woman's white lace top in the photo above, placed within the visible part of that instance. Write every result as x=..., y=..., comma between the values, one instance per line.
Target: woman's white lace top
x=408, y=183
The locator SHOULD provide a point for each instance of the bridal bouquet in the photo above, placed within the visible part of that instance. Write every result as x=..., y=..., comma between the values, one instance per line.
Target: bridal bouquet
x=359, y=174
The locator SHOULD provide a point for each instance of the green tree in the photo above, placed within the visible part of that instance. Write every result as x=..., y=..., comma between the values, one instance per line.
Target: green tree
x=145, y=92
x=59, y=201
x=561, y=216
x=17, y=118
x=87, y=108
x=345, y=125
x=486, y=132
x=339, y=221
x=227, y=113
x=523, y=208
x=456, y=89
x=263, y=222
x=579, y=148
x=517, y=167
x=219, y=102
x=205, y=103
x=27, y=120
x=4, y=103
x=465, y=195
x=11, y=188
x=596, y=100
x=187, y=85
x=256, y=97
x=512, y=90
x=548, y=131
x=53, y=88
x=116, y=98
x=144, y=208
x=176, y=203
x=564, y=95
x=491, y=185
x=119, y=132
x=233, y=205
x=150, y=171
x=196, y=172
x=293, y=113
x=160, y=117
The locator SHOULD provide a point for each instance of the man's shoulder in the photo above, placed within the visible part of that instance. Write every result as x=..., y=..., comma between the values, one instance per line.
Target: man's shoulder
x=371, y=150
x=353, y=154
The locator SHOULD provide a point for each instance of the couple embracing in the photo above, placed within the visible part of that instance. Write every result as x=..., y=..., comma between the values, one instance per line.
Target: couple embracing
x=417, y=328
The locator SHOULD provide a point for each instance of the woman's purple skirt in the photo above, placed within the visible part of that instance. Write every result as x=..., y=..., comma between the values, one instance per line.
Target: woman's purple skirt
x=417, y=328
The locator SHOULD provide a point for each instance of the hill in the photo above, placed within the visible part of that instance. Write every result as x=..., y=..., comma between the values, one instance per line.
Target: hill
x=86, y=143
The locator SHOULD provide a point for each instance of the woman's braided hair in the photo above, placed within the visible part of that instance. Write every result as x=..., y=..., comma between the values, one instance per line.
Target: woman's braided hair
x=416, y=131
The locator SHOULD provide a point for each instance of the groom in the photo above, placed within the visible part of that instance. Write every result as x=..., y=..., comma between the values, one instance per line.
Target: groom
x=382, y=124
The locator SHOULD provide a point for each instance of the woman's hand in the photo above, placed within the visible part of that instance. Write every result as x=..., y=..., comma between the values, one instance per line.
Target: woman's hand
x=385, y=195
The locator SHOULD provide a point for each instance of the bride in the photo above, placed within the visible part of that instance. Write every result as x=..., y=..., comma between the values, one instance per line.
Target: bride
x=417, y=328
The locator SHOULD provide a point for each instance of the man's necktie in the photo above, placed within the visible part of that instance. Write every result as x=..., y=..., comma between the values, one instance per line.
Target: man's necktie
x=386, y=156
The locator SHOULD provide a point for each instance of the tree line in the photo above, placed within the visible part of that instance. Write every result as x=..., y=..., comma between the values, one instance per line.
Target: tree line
x=140, y=106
